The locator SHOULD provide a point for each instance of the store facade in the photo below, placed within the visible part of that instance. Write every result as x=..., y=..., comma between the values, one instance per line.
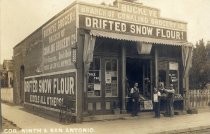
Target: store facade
x=88, y=56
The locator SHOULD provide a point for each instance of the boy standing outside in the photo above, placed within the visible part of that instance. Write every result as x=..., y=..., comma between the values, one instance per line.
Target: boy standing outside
x=156, y=100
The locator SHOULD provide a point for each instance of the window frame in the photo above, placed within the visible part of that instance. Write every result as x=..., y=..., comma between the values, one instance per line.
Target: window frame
x=117, y=75
x=101, y=89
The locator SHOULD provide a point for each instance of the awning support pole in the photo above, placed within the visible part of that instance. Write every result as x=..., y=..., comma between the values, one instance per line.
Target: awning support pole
x=156, y=67
x=123, y=56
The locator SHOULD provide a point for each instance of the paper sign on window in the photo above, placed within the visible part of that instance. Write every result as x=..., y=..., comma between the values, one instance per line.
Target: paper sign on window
x=97, y=87
x=108, y=78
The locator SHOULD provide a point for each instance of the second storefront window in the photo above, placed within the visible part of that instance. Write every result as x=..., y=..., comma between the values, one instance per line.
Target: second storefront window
x=111, y=78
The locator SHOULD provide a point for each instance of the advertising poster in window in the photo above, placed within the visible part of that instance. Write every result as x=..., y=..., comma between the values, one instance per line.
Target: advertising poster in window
x=94, y=84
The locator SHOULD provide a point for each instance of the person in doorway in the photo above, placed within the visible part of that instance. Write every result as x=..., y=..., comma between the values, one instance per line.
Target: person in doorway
x=156, y=102
x=161, y=87
x=170, y=101
x=135, y=99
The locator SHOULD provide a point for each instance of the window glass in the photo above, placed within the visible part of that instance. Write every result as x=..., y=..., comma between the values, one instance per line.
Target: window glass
x=94, y=79
x=95, y=65
x=173, y=79
x=114, y=65
x=108, y=66
x=111, y=78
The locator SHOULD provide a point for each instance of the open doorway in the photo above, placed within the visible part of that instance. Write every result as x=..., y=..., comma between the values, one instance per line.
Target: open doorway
x=138, y=70
x=134, y=72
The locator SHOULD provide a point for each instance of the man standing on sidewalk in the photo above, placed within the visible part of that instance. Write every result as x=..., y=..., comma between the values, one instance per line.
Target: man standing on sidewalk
x=156, y=100
x=170, y=101
x=135, y=99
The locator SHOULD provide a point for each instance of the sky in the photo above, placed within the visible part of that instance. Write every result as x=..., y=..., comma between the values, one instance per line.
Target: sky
x=19, y=18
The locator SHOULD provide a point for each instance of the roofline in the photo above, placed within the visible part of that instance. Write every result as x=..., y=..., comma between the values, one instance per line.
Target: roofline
x=86, y=3
x=116, y=8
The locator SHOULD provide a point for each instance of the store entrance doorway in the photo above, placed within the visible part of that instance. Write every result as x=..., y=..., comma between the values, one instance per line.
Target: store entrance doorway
x=139, y=70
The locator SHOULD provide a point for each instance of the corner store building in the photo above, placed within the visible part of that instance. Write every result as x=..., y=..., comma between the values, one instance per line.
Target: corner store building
x=87, y=55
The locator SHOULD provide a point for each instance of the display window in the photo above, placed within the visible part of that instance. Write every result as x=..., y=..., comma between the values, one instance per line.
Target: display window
x=94, y=78
x=174, y=75
x=111, y=78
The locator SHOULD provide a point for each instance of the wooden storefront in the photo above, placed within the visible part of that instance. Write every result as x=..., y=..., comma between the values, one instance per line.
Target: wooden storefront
x=90, y=55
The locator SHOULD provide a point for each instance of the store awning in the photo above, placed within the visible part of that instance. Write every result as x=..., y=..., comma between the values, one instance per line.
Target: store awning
x=135, y=38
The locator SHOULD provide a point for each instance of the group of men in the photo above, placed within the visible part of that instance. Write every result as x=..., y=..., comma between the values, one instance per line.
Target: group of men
x=157, y=93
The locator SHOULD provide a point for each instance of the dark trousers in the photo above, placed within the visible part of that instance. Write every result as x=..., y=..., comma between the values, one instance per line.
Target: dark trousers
x=135, y=107
x=157, y=109
x=170, y=107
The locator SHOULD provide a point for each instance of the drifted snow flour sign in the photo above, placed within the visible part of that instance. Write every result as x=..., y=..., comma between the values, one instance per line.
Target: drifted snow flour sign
x=89, y=22
x=132, y=19
x=51, y=90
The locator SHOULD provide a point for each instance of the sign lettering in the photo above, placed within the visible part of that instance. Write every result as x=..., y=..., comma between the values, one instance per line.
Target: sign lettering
x=138, y=9
x=51, y=90
x=132, y=14
x=129, y=28
x=59, y=37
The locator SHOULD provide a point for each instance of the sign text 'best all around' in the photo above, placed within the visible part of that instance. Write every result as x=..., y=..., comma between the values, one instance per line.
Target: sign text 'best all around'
x=130, y=28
